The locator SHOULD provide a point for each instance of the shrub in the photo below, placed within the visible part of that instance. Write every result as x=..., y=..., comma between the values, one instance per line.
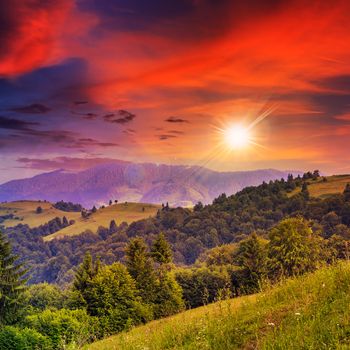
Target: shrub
x=203, y=285
x=12, y=338
x=44, y=295
x=64, y=326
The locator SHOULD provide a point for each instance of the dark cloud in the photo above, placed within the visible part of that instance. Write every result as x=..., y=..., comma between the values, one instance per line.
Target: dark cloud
x=34, y=108
x=80, y=102
x=16, y=124
x=120, y=117
x=68, y=163
x=339, y=83
x=176, y=132
x=185, y=19
x=58, y=83
x=176, y=120
x=166, y=136
x=25, y=135
x=332, y=104
x=88, y=115
x=92, y=142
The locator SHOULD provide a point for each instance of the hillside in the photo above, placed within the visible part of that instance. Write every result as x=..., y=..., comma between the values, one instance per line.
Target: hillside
x=309, y=312
x=134, y=182
x=125, y=212
x=320, y=188
x=24, y=212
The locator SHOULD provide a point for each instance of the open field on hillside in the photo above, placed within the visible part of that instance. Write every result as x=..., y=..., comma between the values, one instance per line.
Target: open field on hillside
x=319, y=188
x=309, y=312
x=25, y=213
x=127, y=212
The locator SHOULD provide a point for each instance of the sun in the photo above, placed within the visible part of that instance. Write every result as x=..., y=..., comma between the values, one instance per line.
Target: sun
x=237, y=137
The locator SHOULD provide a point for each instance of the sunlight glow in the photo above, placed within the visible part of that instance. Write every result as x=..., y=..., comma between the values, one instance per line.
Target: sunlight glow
x=237, y=136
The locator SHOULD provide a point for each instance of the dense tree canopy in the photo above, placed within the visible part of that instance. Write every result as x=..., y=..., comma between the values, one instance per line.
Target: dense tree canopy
x=11, y=283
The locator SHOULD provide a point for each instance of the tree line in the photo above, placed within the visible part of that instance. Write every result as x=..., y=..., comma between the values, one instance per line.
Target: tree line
x=104, y=299
x=229, y=219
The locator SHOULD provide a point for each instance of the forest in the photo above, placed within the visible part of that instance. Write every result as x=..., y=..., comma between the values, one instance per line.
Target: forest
x=69, y=292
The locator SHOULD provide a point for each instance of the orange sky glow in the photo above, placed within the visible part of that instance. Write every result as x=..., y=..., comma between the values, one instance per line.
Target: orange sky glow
x=181, y=70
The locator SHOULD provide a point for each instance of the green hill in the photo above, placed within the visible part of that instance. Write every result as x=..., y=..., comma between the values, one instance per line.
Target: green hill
x=124, y=212
x=308, y=312
x=24, y=212
x=320, y=188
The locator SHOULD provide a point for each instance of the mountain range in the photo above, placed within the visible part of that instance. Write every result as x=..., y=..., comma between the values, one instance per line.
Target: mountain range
x=136, y=182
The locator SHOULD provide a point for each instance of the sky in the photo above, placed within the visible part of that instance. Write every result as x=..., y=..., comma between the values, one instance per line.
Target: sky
x=83, y=82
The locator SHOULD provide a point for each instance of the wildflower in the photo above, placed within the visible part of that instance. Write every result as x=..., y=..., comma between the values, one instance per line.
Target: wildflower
x=271, y=324
x=297, y=313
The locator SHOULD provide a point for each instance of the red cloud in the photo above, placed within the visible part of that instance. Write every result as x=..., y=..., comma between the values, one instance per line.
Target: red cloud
x=34, y=33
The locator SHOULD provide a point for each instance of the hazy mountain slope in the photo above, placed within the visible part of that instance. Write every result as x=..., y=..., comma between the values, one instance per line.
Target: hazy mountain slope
x=126, y=181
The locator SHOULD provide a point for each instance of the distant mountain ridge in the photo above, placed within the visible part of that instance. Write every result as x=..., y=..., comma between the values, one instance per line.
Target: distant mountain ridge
x=137, y=182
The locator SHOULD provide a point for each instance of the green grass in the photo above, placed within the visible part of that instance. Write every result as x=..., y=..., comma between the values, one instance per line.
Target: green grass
x=128, y=212
x=335, y=184
x=25, y=211
x=309, y=312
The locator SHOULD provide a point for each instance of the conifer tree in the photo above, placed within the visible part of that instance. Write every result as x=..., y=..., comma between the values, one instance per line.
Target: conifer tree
x=168, y=296
x=141, y=269
x=113, y=227
x=65, y=222
x=161, y=251
x=85, y=272
x=12, y=283
x=305, y=190
x=346, y=193
x=252, y=256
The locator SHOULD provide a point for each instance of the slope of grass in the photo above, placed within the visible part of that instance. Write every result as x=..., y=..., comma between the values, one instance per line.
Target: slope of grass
x=309, y=312
x=25, y=213
x=334, y=184
x=127, y=212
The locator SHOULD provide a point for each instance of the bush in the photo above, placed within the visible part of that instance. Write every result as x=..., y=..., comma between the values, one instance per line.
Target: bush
x=12, y=338
x=111, y=295
x=203, y=285
x=169, y=296
x=44, y=295
x=64, y=326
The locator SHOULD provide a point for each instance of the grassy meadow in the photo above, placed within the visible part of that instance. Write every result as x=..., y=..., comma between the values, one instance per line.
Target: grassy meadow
x=319, y=188
x=128, y=212
x=308, y=312
x=25, y=213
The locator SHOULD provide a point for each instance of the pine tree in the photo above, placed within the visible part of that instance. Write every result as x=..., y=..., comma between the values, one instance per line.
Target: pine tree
x=113, y=227
x=346, y=193
x=305, y=191
x=141, y=269
x=168, y=296
x=65, y=222
x=252, y=256
x=39, y=210
x=85, y=272
x=12, y=283
x=161, y=251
